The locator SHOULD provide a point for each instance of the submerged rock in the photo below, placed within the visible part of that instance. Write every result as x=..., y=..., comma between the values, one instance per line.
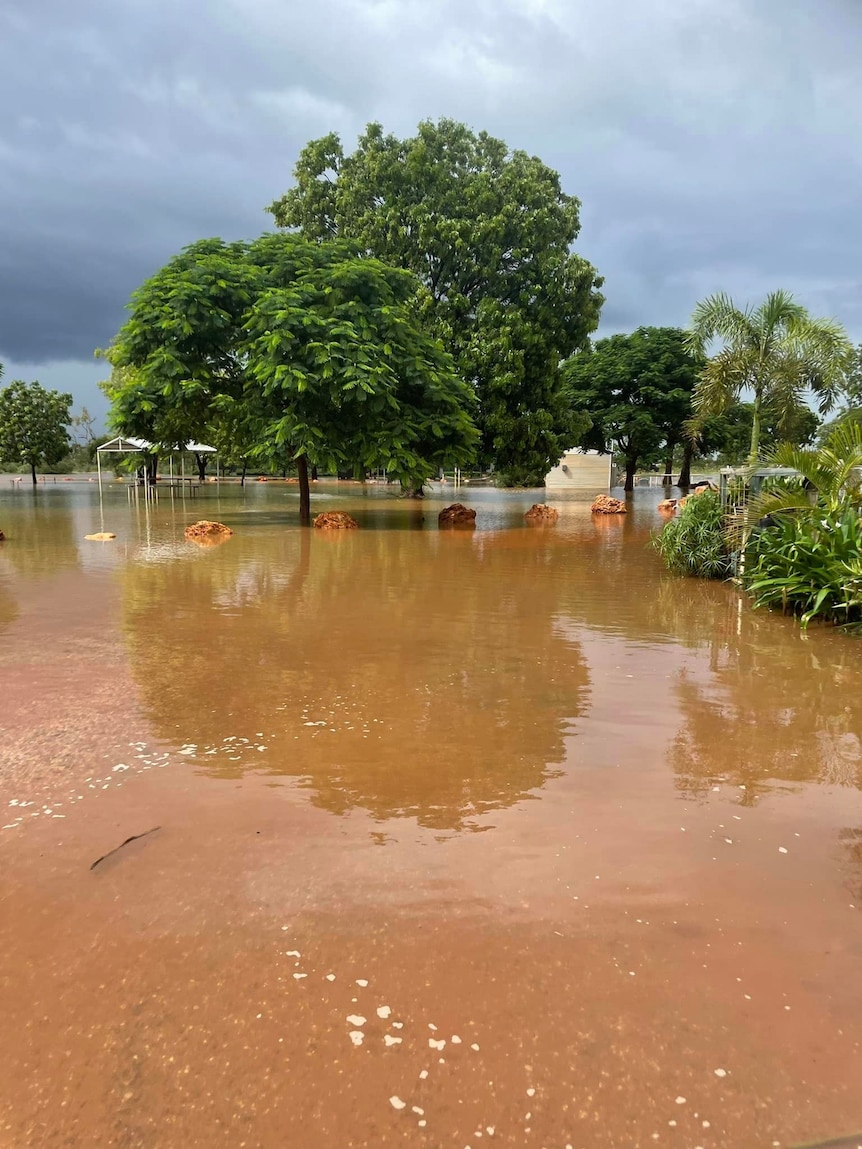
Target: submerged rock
x=207, y=532
x=335, y=521
x=667, y=505
x=457, y=516
x=605, y=505
x=540, y=514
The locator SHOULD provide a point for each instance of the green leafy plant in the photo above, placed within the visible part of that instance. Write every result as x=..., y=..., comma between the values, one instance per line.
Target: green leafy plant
x=695, y=542
x=809, y=565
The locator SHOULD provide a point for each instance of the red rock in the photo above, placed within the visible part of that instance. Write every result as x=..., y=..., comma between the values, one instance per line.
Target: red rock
x=541, y=514
x=457, y=516
x=605, y=505
x=207, y=532
x=335, y=521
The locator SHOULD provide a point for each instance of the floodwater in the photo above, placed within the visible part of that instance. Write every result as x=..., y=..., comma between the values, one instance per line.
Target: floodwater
x=459, y=839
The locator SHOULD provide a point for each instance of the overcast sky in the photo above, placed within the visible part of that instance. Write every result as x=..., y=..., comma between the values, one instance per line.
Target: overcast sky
x=715, y=144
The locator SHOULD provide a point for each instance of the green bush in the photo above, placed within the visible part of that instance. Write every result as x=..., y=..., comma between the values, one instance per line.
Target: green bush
x=809, y=565
x=695, y=542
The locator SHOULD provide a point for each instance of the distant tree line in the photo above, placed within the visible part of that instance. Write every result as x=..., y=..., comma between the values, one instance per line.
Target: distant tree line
x=422, y=307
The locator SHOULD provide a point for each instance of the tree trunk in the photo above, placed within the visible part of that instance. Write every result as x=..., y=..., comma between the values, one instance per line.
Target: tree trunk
x=314, y=474
x=684, y=479
x=201, y=461
x=304, y=492
x=667, y=480
x=631, y=467
x=244, y=469
x=755, y=429
x=33, y=473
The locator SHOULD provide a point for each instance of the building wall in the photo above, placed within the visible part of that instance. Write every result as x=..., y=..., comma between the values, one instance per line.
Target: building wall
x=579, y=471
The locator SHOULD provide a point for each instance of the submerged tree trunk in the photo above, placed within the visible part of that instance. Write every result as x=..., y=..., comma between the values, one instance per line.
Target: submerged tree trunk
x=244, y=469
x=33, y=473
x=667, y=480
x=201, y=461
x=314, y=474
x=304, y=492
x=684, y=479
x=631, y=467
x=413, y=490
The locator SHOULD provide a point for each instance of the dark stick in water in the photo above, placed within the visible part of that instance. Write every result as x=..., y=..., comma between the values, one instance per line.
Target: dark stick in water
x=133, y=838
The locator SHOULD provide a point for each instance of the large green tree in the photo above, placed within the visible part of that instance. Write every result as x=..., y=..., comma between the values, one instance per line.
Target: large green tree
x=637, y=389
x=488, y=234
x=33, y=425
x=308, y=351
x=776, y=352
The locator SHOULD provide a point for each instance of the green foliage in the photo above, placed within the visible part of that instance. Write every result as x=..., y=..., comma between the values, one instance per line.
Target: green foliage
x=33, y=425
x=289, y=349
x=809, y=565
x=776, y=351
x=804, y=536
x=488, y=234
x=637, y=390
x=729, y=434
x=695, y=541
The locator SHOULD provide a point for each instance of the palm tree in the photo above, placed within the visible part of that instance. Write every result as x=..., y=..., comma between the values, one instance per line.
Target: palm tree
x=776, y=351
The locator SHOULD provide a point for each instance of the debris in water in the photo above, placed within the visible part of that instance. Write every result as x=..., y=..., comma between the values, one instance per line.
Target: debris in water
x=356, y=1036
x=133, y=838
x=397, y=1103
x=356, y=1019
x=383, y=1011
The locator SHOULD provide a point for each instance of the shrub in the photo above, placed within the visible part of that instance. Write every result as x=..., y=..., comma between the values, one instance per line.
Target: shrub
x=695, y=542
x=809, y=565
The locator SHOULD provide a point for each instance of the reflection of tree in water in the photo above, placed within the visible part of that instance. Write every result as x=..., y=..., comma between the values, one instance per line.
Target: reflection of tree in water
x=851, y=839
x=8, y=605
x=776, y=708
x=431, y=658
x=40, y=534
x=766, y=706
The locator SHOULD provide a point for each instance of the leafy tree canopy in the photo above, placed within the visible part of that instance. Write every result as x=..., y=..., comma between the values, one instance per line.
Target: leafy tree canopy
x=33, y=425
x=488, y=234
x=637, y=390
x=306, y=350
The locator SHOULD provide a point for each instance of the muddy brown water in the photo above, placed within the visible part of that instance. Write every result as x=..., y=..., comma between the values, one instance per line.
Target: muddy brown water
x=497, y=837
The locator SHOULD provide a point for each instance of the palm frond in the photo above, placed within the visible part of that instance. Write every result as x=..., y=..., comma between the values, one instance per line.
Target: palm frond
x=720, y=383
x=777, y=314
x=717, y=317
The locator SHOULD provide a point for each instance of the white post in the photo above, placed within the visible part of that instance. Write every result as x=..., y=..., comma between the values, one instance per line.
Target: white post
x=99, y=469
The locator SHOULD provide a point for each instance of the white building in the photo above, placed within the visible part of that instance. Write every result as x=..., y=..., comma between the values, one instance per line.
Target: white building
x=581, y=471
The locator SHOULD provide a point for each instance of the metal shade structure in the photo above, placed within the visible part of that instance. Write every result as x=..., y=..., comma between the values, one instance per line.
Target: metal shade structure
x=128, y=445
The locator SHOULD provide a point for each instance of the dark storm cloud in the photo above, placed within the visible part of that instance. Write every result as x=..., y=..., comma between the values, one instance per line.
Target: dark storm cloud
x=714, y=145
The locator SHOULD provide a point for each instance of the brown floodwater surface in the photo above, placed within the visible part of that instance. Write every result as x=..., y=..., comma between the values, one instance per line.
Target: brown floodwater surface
x=432, y=838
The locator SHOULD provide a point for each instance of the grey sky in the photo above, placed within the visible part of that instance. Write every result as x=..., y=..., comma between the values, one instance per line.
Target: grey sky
x=715, y=144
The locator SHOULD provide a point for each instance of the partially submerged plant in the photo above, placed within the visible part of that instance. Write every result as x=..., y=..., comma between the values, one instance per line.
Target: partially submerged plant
x=695, y=542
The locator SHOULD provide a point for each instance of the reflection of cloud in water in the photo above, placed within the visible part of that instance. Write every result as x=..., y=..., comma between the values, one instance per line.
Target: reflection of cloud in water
x=401, y=672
